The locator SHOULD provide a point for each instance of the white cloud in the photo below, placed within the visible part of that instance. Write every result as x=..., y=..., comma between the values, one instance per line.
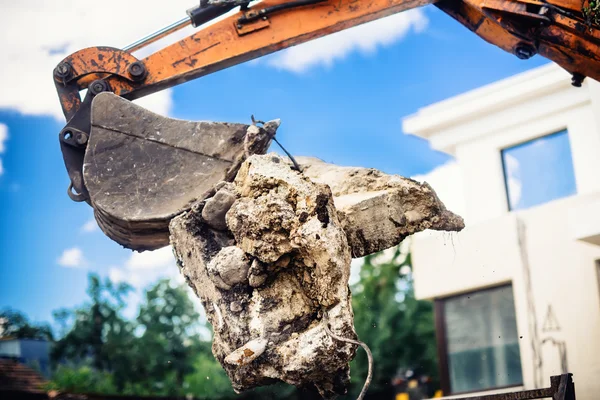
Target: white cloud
x=365, y=38
x=447, y=182
x=151, y=259
x=117, y=275
x=513, y=180
x=143, y=269
x=72, y=258
x=3, y=139
x=355, y=267
x=159, y=102
x=90, y=226
x=59, y=28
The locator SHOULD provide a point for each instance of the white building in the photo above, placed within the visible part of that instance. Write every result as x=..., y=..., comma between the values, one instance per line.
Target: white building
x=517, y=293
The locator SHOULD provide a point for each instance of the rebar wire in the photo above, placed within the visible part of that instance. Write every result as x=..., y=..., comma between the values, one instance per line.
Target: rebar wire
x=363, y=392
x=291, y=157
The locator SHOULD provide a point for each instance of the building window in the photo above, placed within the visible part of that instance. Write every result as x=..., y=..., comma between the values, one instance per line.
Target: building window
x=478, y=341
x=538, y=171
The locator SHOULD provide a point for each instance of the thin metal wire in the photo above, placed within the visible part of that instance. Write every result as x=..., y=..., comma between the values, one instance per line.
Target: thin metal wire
x=296, y=165
x=291, y=157
x=363, y=392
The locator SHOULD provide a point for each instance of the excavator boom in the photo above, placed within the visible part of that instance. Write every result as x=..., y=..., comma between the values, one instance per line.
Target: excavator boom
x=103, y=129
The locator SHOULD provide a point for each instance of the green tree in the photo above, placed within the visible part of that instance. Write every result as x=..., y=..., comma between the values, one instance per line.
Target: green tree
x=81, y=380
x=15, y=324
x=208, y=380
x=161, y=351
x=147, y=356
x=398, y=328
x=170, y=338
x=99, y=336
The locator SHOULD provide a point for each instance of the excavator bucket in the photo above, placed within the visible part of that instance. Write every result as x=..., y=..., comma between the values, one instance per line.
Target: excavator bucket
x=141, y=169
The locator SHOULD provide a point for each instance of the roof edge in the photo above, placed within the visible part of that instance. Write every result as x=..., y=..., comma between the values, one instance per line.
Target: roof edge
x=486, y=99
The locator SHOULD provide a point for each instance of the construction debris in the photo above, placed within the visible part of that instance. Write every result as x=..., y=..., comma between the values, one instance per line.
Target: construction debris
x=378, y=211
x=269, y=256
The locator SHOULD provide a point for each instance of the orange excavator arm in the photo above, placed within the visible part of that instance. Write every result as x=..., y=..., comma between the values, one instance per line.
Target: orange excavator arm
x=249, y=34
x=559, y=30
x=564, y=31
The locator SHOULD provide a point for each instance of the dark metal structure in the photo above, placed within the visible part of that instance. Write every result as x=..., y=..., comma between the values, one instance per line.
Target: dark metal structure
x=561, y=388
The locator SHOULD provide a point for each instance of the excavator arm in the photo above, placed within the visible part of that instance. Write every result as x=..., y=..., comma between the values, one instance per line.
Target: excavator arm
x=134, y=167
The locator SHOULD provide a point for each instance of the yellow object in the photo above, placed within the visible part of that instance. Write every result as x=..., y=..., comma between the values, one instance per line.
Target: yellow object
x=402, y=396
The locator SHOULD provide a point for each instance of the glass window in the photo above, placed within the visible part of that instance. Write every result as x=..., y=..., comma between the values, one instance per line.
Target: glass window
x=482, y=341
x=538, y=171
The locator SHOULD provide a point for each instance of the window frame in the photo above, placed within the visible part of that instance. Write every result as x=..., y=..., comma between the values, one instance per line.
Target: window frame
x=442, y=341
x=503, y=165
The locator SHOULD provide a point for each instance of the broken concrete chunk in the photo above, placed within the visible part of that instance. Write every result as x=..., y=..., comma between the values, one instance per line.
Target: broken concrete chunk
x=228, y=186
x=216, y=207
x=231, y=265
x=378, y=210
x=257, y=280
x=262, y=226
x=217, y=280
x=280, y=212
x=256, y=138
x=284, y=260
x=289, y=226
x=257, y=274
x=235, y=307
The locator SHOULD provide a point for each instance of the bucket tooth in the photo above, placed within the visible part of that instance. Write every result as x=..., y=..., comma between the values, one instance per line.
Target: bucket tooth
x=142, y=169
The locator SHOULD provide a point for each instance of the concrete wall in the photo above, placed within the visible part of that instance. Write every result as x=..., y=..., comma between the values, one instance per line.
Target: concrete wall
x=549, y=252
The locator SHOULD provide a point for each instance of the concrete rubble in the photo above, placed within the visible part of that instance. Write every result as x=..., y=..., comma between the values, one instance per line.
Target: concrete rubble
x=378, y=211
x=270, y=253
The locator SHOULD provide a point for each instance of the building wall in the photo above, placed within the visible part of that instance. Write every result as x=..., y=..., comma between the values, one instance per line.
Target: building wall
x=550, y=265
x=35, y=353
x=9, y=348
x=549, y=252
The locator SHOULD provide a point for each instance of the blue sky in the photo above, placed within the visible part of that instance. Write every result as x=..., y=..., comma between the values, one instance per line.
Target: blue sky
x=341, y=100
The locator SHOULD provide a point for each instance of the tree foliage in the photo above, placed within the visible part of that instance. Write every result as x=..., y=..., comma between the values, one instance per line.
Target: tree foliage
x=161, y=351
x=151, y=355
x=81, y=380
x=99, y=337
x=208, y=380
x=15, y=324
x=398, y=328
x=170, y=337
